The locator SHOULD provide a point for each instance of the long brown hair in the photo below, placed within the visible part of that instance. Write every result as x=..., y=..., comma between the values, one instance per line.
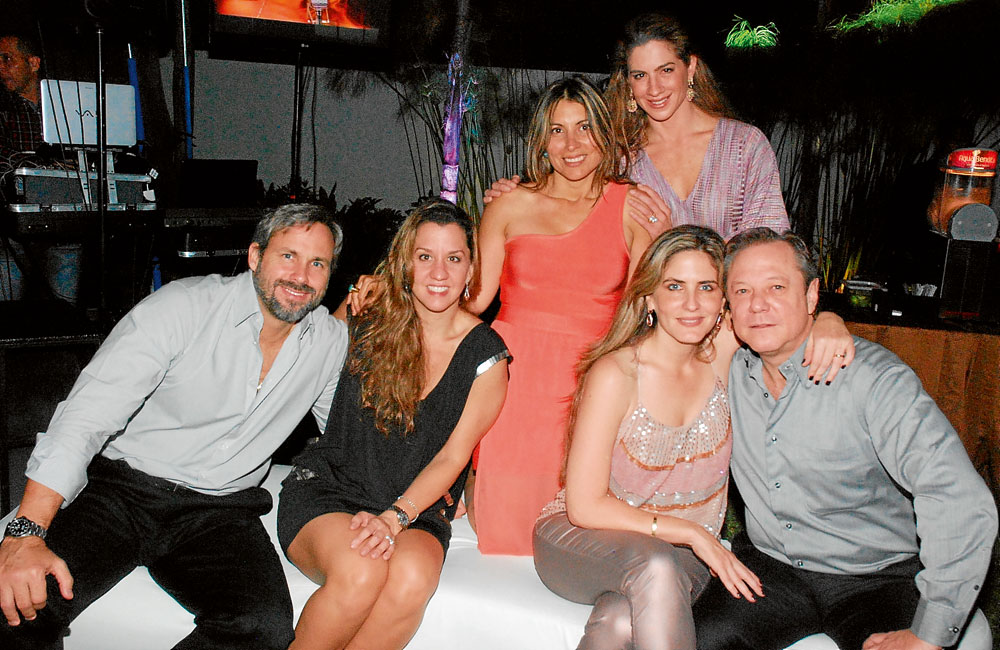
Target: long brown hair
x=641, y=30
x=610, y=144
x=628, y=326
x=387, y=339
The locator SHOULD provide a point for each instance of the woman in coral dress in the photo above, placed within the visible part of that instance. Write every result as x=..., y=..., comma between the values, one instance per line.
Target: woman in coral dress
x=560, y=249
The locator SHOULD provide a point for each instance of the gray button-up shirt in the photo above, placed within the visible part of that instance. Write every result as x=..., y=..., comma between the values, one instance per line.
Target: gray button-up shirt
x=174, y=391
x=845, y=478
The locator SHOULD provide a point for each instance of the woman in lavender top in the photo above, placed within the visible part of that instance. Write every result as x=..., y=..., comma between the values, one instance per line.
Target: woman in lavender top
x=691, y=161
x=694, y=164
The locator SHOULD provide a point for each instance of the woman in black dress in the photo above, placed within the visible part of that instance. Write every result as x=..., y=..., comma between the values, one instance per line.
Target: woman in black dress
x=366, y=511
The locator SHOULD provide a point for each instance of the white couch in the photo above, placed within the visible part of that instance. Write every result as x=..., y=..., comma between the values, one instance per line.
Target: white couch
x=482, y=602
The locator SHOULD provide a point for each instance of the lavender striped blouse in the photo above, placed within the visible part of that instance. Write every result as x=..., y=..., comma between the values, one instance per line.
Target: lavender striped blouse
x=738, y=187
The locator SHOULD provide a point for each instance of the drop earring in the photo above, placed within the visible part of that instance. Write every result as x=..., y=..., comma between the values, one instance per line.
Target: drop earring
x=466, y=294
x=650, y=318
x=631, y=106
x=690, y=91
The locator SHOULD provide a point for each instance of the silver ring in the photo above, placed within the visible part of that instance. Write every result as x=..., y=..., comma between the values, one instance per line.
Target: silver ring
x=390, y=540
x=652, y=218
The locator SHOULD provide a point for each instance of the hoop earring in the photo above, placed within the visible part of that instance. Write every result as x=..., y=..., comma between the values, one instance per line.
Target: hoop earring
x=466, y=294
x=631, y=106
x=690, y=91
x=650, y=318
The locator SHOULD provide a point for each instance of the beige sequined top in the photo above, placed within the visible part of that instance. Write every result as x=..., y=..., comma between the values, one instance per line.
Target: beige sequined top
x=679, y=471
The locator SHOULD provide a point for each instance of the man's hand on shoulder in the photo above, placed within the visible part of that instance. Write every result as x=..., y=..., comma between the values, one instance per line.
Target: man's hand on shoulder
x=898, y=640
x=24, y=564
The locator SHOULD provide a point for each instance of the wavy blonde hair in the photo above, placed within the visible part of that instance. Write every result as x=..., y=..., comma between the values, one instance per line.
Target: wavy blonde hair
x=386, y=350
x=641, y=30
x=610, y=144
x=628, y=326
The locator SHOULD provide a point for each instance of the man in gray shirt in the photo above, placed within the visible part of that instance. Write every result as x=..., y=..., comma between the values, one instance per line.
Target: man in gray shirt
x=865, y=519
x=157, y=455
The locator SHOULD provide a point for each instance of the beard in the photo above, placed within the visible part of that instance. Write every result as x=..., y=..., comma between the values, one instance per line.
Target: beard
x=278, y=310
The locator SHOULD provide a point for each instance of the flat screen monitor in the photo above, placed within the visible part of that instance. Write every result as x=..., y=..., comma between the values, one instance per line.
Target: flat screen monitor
x=69, y=113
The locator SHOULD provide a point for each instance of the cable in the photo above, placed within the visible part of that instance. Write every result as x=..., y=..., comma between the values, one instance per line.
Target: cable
x=313, y=121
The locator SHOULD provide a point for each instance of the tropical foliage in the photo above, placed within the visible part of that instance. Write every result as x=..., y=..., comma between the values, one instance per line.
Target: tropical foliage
x=742, y=35
x=891, y=13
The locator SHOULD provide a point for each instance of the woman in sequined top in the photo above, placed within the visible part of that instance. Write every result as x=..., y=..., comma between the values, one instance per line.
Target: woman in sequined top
x=636, y=529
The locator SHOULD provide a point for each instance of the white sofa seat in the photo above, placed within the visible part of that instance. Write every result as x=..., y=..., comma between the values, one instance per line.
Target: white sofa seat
x=482, y=602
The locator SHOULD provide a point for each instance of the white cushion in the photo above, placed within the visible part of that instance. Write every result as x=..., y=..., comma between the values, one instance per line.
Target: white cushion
x=482, y=602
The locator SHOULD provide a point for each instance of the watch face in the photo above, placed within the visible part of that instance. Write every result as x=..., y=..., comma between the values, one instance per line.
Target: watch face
x=22, y=527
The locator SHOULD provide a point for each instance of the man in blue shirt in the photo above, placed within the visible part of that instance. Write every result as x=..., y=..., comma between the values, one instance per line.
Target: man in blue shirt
x=156, y=456
x=865, y=519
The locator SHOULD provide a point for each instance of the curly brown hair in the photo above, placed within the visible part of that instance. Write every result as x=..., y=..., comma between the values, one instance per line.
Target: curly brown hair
x=641, y=30
x=386, y=349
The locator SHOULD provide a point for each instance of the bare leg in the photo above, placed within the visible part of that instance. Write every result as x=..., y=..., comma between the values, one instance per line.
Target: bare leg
x=349, y=583
x=414, y=570
x=470, y=492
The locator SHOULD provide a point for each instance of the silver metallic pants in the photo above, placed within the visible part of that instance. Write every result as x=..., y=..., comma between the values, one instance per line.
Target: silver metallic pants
x=641, y=587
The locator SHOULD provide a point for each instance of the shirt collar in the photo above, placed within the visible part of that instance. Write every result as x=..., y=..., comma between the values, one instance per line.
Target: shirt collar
x=791, y=369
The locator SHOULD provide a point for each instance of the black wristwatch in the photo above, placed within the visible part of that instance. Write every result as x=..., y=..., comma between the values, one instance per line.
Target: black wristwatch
x=24, y=527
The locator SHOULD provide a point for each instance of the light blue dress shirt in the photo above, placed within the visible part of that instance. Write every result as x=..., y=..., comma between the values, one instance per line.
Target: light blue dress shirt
x=855, y=476
x=174, y=391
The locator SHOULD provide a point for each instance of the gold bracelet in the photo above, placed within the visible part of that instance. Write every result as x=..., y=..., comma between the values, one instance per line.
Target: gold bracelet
x=653, y=527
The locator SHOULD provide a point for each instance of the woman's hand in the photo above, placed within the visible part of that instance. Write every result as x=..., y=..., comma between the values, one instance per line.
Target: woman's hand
x=740, y=581
x=376, y=535
x=501, y=187
x=365, y=290
x=829, y=349
x=649, y=210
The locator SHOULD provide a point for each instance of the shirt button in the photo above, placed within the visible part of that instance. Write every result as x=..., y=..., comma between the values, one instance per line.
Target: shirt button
x=954, y=630
x=774, y=438
x=788, y=526
x=766, y=395
x=777, y=484
x=800, y=563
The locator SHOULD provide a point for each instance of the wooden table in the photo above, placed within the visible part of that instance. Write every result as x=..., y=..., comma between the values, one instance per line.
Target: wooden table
x=961, y=371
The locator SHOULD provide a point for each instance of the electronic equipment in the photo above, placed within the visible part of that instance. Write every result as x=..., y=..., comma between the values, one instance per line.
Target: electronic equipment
x=54, y=189
x=69, y=113
x=968, y=273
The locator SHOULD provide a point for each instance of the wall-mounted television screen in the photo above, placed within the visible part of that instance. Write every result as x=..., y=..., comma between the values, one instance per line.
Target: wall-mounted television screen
x=276, y=29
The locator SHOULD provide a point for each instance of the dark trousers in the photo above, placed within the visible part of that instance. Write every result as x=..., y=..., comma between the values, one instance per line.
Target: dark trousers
x=211, y=553
x=798, y=603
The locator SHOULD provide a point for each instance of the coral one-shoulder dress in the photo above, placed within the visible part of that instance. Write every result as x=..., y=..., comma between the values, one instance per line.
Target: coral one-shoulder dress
x=558, y=294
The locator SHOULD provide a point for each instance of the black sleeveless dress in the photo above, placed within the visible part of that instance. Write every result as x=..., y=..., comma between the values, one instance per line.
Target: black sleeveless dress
x=355, y=467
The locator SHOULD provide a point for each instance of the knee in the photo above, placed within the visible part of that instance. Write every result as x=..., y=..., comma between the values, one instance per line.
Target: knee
x=661, y=569
x=358, y=587
x=610, y=624
x=411, y=585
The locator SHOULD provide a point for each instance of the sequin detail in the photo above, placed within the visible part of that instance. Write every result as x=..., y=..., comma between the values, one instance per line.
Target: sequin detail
x=650, y=461
x=682, y=471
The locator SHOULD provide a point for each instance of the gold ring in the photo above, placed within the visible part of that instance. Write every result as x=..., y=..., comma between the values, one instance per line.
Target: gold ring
x=352, y=289
x=840, y=354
